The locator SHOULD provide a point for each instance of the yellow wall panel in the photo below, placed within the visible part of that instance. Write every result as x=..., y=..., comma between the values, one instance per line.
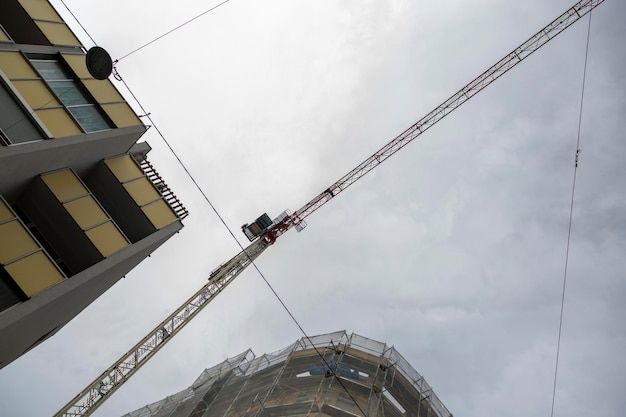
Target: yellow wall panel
x=107, y=238
x=142, y=191
x=124, y=168
x=59, y=122
x=36, y=93
x=14, y=65
x=64, y=185
x=3, y=36
x=58, y=33
x=78, y=64
x=121, y=114
x=34, y=273
x=40, y=9
x=159, y=213
x=86, y=212
x=15, y=241
x=5, y=212
x=103, y=91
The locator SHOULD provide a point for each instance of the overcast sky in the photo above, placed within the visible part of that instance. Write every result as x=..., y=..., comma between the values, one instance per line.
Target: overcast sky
x=453, y=250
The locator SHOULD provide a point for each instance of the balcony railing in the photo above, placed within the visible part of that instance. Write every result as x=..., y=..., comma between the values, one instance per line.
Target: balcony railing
x=165, y=191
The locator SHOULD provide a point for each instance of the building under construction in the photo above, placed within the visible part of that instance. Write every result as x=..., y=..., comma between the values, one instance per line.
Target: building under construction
x=357, y=376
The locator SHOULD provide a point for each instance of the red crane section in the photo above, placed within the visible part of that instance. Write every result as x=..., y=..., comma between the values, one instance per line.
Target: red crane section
x=455, y=101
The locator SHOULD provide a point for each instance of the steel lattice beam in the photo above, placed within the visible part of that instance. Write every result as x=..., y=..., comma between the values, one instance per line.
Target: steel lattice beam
x=110, y=380
x=513, y=58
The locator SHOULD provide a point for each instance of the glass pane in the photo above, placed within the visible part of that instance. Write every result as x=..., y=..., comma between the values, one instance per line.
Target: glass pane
x=89, y=118
x=14, y=121
x=50, y=70
x=68, y=92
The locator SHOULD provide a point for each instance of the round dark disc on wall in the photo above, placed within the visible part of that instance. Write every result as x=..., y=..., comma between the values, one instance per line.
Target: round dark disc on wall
x=99, y=63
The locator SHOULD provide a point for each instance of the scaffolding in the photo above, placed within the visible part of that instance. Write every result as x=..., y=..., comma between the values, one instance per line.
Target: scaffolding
x=358, y=376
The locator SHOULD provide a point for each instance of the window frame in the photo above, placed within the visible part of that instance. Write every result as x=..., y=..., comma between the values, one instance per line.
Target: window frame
x=9, y=38
x=80, y=88
x=26, y=109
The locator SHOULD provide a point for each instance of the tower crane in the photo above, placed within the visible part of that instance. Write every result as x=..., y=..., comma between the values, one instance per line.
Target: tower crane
x=264, y=232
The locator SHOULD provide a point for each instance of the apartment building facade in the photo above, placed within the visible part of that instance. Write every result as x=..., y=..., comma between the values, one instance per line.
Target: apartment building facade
x=80, y=204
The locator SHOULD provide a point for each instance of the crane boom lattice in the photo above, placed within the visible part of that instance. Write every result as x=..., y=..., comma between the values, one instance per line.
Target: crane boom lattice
x=110, y=380
x=107, y=383
x=513, y=58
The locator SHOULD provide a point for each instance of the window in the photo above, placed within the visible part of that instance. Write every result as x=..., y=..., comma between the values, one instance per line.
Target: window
x=16, y=125
x=71, y=94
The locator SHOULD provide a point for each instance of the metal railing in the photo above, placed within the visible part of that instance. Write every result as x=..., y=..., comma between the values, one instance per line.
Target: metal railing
x=165, y=191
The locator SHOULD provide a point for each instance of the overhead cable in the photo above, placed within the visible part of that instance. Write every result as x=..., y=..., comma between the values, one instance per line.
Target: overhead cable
x=571, y=211
x=78, y=21
x=118, y=77
x=172, y=30
x=206, y=198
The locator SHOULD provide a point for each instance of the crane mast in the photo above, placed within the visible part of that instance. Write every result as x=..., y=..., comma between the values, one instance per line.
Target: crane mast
x=110, y=380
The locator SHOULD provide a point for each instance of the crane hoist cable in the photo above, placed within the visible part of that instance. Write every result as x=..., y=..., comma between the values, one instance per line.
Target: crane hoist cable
x=94, y=395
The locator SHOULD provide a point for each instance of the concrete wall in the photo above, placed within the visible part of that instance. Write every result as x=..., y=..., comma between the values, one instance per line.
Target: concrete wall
x=20, y=163
x=25, y=325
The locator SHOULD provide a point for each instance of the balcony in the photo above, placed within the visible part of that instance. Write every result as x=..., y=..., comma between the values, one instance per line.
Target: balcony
x=71, y=219
x=135, y=196
x=25, y=267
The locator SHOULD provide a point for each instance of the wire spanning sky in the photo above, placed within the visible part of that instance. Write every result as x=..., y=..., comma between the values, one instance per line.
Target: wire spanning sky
x=453, y=250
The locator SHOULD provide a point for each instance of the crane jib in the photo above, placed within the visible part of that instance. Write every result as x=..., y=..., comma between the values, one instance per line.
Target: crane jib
x=513, y=58
x=109, y=381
